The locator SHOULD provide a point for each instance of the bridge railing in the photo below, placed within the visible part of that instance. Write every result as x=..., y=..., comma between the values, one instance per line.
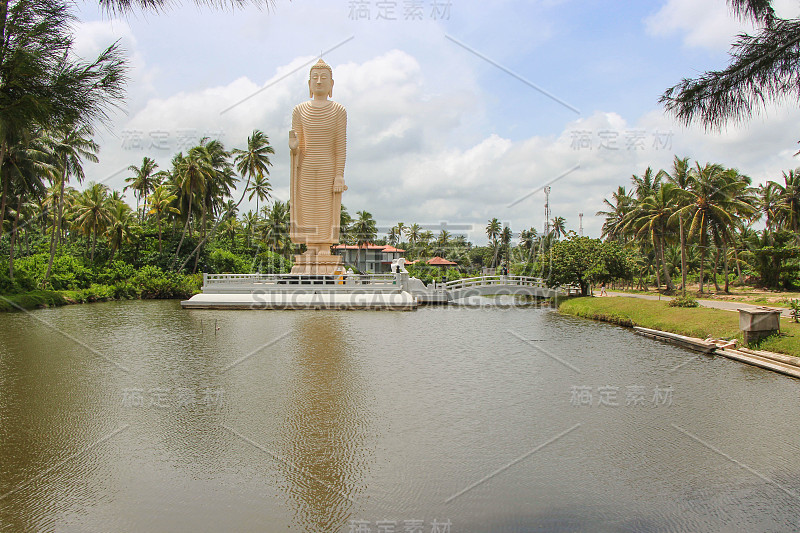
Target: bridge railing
x=483, y=281
x=221, y=280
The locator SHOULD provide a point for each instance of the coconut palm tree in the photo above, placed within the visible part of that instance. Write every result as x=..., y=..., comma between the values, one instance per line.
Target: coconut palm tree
x=413, y=233
x=93, y=212
x=558, y=227
x=161, y=201
x=253, y=163
x=250, y=221
x=142, y=181
x=260, y=188
x=425, y=239
x=42, y=84
x=649, y=219
x=443, y=243
x=193, y=173
x=713, y=201
x=276, y=228
x=120, y=226
x=493, y=229
x=648, y=183
x=394, y=236
x=505, y=241
x=612, y=227
x=364, y=229
x=763, y=68
x=681, y=177
x=68, y=148
x=788, y=201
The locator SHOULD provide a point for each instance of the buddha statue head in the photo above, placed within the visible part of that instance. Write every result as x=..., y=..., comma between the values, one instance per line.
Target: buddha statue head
x=320, y=81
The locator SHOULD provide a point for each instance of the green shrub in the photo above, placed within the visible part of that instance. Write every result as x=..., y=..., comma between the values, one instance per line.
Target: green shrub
x=684, y=301
x=222, y=261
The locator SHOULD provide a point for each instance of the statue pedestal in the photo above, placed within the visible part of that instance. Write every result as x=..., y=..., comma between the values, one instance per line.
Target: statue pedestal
x=318, y=265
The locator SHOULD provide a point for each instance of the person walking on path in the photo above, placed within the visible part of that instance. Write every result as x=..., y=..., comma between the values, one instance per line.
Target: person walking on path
x=603, y=290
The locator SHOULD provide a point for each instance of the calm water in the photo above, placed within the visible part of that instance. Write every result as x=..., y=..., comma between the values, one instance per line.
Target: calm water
x=139, y=416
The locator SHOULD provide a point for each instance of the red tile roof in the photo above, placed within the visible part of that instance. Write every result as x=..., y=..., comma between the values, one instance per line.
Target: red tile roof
x=438, y=261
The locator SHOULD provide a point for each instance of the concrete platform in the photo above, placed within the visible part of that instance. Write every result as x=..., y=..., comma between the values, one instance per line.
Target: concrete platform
x=319, y=299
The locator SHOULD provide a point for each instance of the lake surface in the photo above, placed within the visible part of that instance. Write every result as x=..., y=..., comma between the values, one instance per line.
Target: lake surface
x=140, y=416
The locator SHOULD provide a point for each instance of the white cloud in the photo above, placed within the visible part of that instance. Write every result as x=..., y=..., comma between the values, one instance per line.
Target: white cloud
x=93, y=37
x=707, y=23
x=407, y=159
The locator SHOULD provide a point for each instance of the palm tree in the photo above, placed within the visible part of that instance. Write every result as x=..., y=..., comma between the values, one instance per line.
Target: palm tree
x=413, y=233
x=260, y=188
x=614, y=223
x=120, y=225
x=250, y=221
x=23, y=168
x=41, y=82
x=647, y=184
x=401, y=229
x=681, y=177
x=68, y=147
x=364, y=230
x=161, y=202
x=712, y=203
x=344, y=225
x=193, y=174
x=493, y=230
x=650, y=218
x=93, y=212
x=276, y=228
x=142, y=181
x=425, y=239
x=763, y=68
x=768, y=204
x=254, y=164
x=559, y=227
x=505, y=240
x=394, y=236
x=788, y=201
x=442, y=243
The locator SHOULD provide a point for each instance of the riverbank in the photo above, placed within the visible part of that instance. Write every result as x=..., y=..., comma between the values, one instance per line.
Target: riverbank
x=155, y=288
x=693, y=322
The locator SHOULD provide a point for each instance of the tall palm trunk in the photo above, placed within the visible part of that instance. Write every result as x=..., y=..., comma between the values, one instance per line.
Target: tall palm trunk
x=94, y=241
x=702, y=259
x=5, y=185
x=14, y=239
x=158, y=223
x=725, y=266
x=185, y=227
x=738, y=266
x=716, y=269
x=658, y=265
x=683, y=255
x=57, y=223
x=667, y=277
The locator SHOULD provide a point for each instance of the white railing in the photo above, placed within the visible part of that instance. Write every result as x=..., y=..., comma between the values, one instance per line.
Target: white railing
x=217, y=280
x=483, y=281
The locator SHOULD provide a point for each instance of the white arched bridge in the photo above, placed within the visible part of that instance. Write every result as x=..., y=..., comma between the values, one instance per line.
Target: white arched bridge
x=217, y=285
x=460, y=289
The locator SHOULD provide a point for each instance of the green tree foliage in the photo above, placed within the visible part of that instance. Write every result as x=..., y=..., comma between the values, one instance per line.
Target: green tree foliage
x=583, y=261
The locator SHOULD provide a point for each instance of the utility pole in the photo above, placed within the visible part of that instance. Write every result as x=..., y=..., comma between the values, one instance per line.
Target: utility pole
x=547, y=211
x=580, y=224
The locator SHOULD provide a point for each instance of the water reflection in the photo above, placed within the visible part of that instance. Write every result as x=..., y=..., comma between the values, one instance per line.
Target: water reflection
x=326, y=424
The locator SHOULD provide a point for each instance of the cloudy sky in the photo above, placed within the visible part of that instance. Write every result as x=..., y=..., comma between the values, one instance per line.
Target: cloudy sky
x=458, y=111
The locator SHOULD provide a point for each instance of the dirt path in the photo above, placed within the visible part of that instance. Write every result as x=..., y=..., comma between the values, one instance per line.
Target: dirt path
x=715, y=304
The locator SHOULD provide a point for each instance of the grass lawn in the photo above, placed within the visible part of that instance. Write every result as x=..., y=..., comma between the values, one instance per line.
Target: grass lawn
x=694, y=322
x=748, y=295
x=32, y=300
